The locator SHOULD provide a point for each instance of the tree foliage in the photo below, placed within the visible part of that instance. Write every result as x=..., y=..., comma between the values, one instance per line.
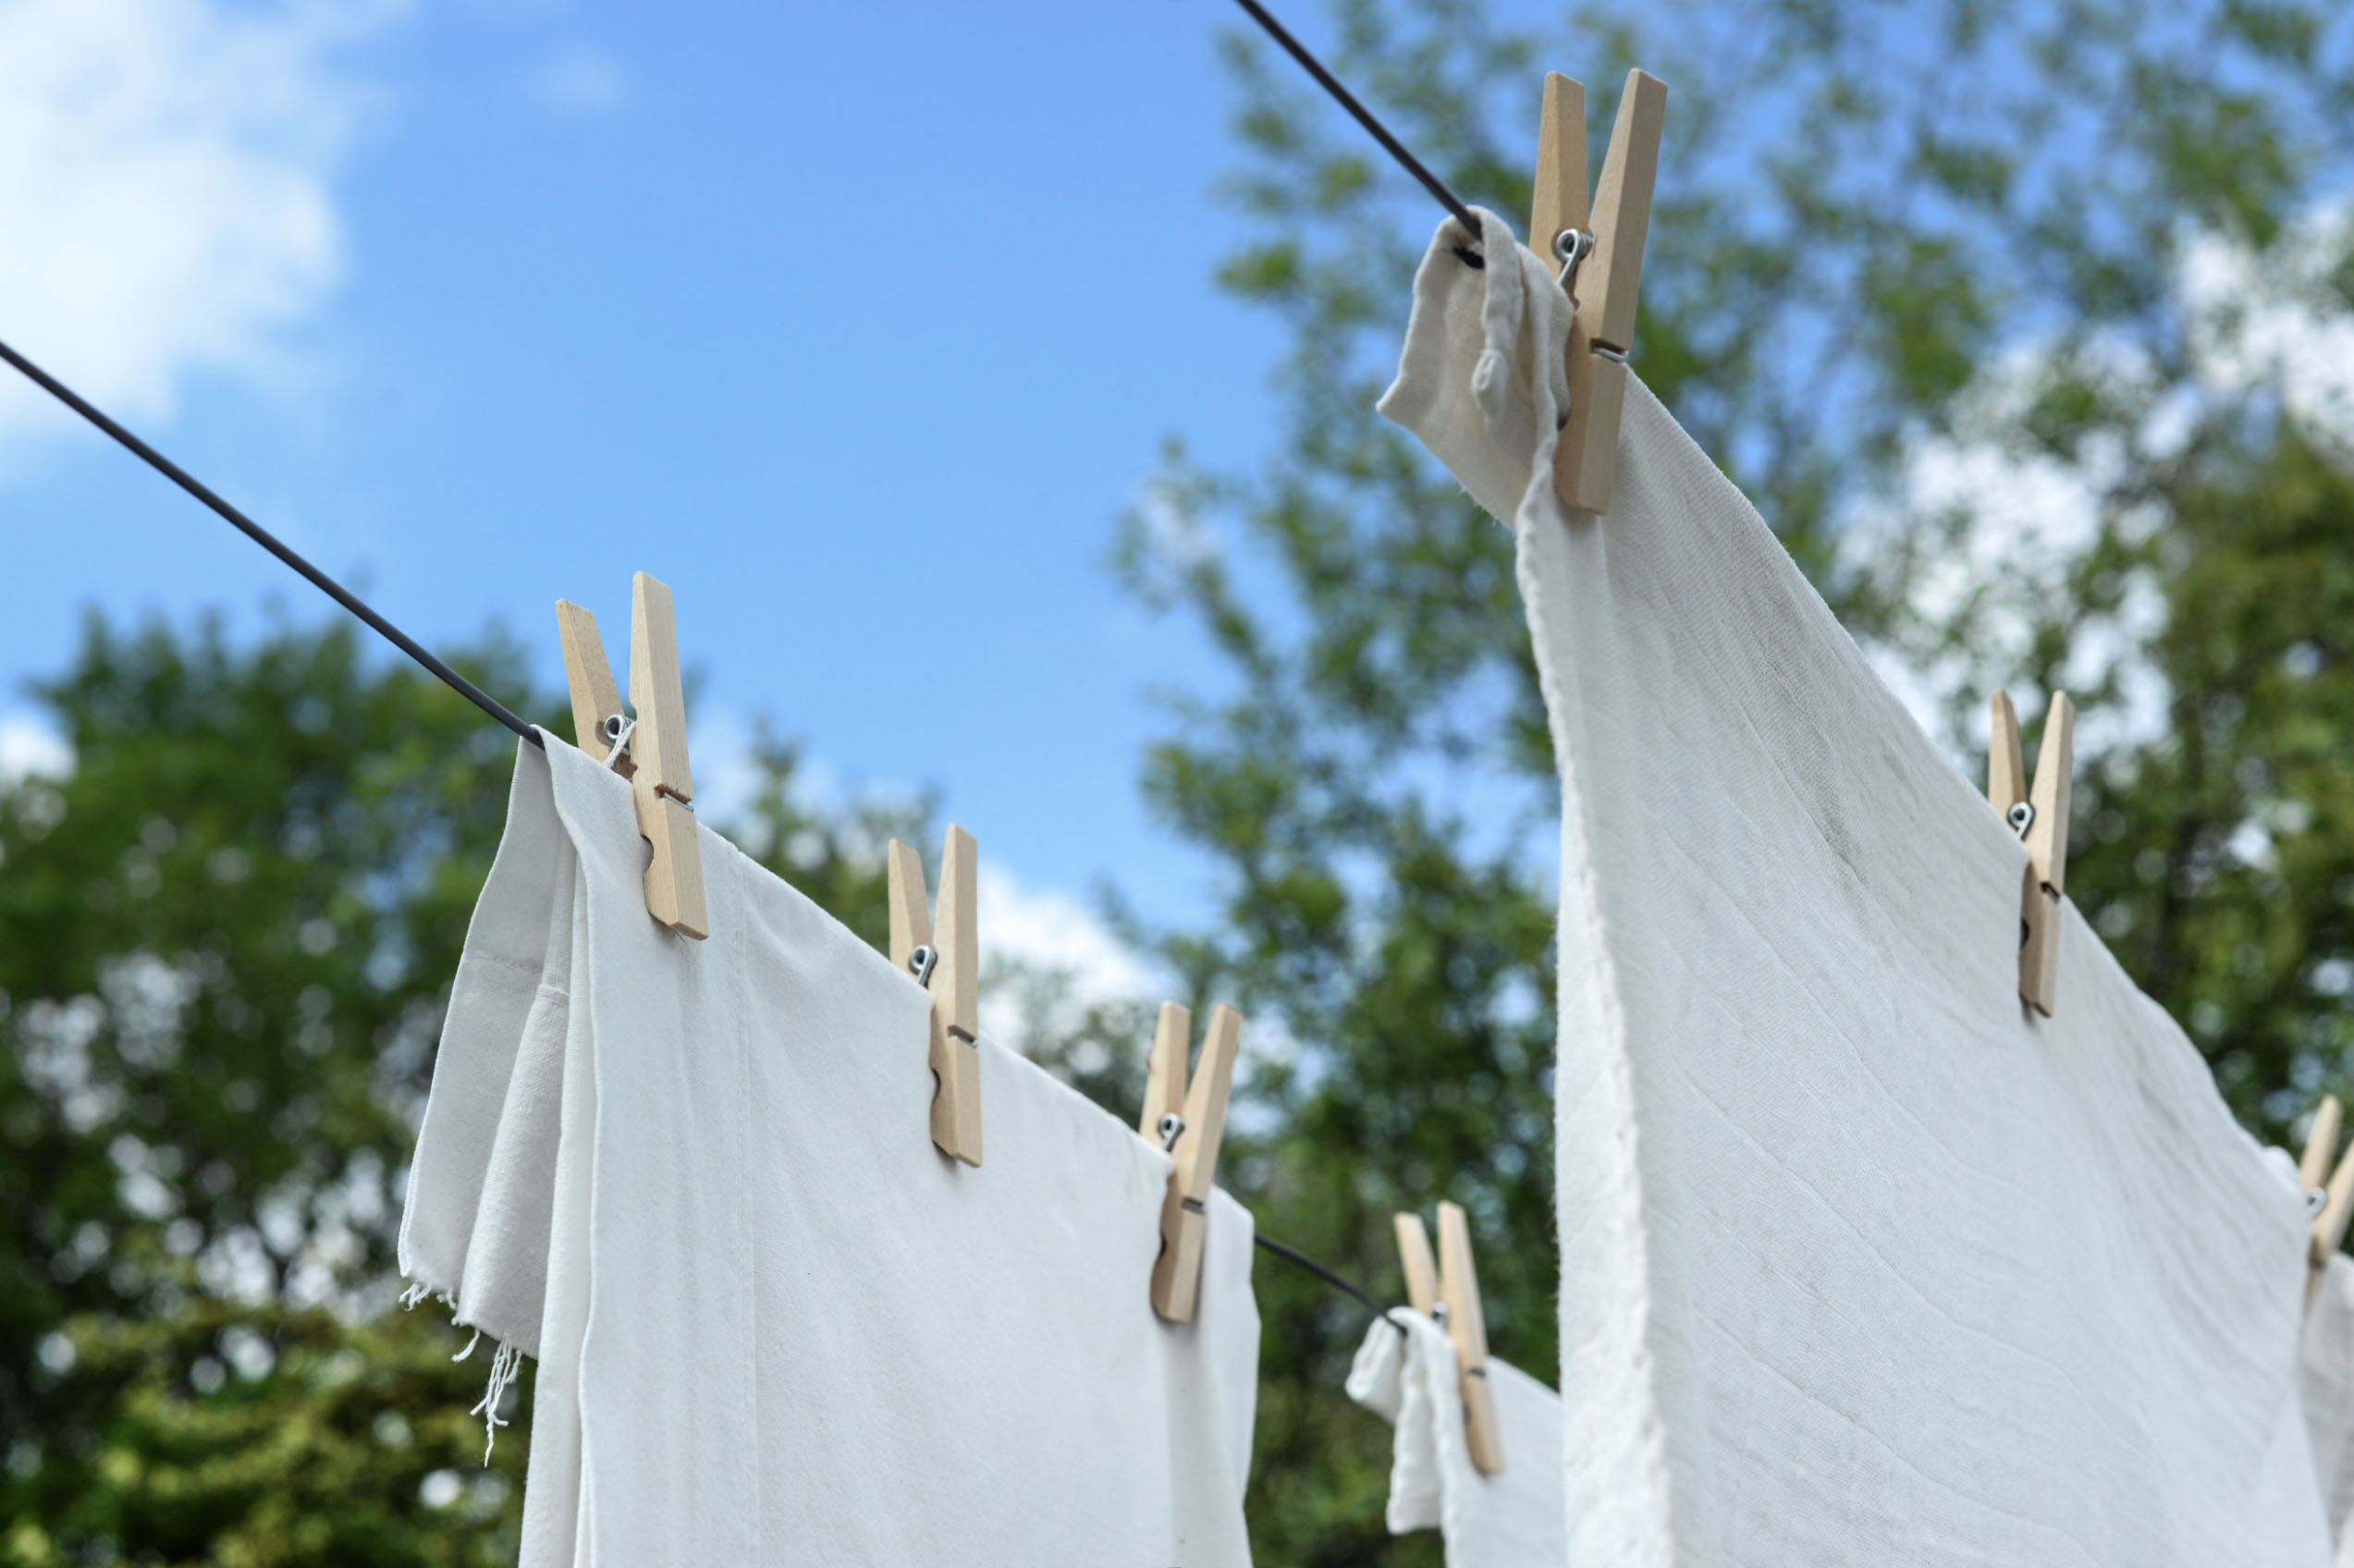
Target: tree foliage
x=225, y=939
x=227, y=936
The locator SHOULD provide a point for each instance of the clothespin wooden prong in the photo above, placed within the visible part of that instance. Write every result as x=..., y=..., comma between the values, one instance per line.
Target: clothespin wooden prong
x=2006, y=763
x=1165, y=1074
x=1185, y=1210
x=664, y=784
x=1467, y=1326
x=2329, y=1226
x=1414, y=1260
x=2331, y=1192
x=911, y=913
x=2321, y=1141
x=656, y=763
x=1607, y=282
x=2040, y=818
x=949, y=968
x=1453, y=1284
x=2337, y=1195
x=1560, y=200
x=597, y=701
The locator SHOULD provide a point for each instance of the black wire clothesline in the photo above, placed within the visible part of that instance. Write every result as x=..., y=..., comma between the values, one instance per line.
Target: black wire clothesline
x=508, y=716
x=1365, y=117
x=272, y=543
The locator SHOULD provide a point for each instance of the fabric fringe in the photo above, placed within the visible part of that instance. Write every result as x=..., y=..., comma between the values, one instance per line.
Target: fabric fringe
x=504, y=1368
x=506, y=1365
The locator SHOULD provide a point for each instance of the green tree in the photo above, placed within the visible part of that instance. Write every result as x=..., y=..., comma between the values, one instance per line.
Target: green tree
x=2221, y=869
x=1890, y=236
x=226, y=940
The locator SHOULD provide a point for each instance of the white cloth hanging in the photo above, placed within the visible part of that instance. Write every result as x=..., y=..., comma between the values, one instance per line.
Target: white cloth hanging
x=2326, y=1369
x=774, y=1324
x=1861, y=1261
x=1404, y=1372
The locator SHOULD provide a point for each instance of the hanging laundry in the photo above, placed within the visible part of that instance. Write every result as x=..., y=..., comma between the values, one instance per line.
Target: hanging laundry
x=1405, y=1373
x=1862, y=1261
x=774, y=1324
x=2326, y=1376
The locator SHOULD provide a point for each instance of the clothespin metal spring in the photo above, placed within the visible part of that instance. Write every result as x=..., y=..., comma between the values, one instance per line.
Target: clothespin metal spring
x=1572, y=246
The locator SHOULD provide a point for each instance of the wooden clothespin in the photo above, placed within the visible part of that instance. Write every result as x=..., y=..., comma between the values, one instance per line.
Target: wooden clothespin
x=656, y=764
x=2335, y=1199
x=1190, y=1124
x=1598, y=252
x=2041, y=820
x=1450, y=1292
x=949, y=967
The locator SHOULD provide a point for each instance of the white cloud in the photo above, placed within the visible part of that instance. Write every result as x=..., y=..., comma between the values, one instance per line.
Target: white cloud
x=1998, y=526
x=578, y=80
x=2013, y=526
x=30, y=750
x=1045, y=931
x=2031, y=515
x=2275, y=318
x=1029, y=935
x=727, y=776
x=166, y=173
x=1176, y=530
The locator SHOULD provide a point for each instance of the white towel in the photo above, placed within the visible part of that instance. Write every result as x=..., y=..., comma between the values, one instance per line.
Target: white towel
x=774, y=1325
x=1861, y=1261
x=1405, y=1373
x=2326, y=1378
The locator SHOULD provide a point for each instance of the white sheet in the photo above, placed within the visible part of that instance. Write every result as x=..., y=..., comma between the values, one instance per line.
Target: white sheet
x=2326, y=1380
x=1406, y=1374
x=774, y=1325
x=1862, y=1262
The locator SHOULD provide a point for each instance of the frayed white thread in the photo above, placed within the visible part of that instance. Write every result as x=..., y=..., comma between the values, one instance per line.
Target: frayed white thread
x=504, y=1364
x=503, y=1369
x=620, y=744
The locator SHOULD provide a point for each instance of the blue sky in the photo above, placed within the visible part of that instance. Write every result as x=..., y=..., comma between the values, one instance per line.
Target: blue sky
x=858, y=324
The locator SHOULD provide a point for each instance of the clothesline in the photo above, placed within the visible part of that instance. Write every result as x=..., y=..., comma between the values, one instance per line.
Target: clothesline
x=1293, y=1255
x=1365, y=117
x=271, y=543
